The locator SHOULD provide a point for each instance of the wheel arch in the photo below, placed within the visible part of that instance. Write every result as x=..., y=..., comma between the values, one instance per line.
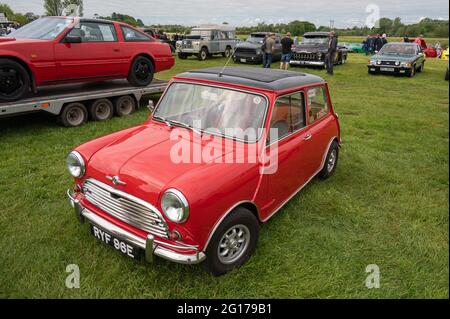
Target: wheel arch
x=146, y=55
x=248, y=204
x=25, y=65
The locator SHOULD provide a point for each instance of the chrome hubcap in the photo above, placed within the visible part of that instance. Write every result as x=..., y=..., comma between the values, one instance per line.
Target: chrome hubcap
x=233, y=244
x=331, y=160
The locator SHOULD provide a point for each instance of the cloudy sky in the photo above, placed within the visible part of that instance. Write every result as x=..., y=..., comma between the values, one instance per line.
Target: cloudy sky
x=249, y=12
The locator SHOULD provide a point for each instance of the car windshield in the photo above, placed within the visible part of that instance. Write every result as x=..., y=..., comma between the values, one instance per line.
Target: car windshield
x=315, y=40
x=204, y=34
x=256, y=38
x=42, y=29
x=214, y=110
x=398, y=49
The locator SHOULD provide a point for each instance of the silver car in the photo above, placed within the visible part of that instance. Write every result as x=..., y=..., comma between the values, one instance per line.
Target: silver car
x=207, y=40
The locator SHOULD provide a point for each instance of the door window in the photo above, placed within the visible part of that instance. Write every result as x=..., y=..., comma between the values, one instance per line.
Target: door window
x=288, y=115
x=317, y=103
x=94, y=32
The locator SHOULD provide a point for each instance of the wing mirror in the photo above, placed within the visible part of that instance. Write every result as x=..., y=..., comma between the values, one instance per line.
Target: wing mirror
x=151, y=106
x=72, y=39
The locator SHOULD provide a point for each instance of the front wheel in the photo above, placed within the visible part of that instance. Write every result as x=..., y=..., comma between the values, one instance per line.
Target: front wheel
x=421, y=68
x=141, y=72
x=14, y=80
x=233, y=242
x=412, y=72
x=331, y=161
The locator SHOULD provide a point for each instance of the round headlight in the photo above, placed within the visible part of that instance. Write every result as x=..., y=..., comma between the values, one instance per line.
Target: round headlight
x=175, y=206
x=75, y=164
x=378, y=62
x=397, y=63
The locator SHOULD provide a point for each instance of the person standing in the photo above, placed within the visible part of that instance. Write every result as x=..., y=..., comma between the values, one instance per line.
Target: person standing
x=366, y=45
x=286, y=51
x=378, y=43
x=268, y=48
x=383, y=40
x=331, y=54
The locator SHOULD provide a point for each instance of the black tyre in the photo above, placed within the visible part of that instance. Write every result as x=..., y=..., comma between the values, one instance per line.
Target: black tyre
x=14, y=80
x=227, y=53
x=182, y=56
x=233, y=242
x=330, y=161
x=73, y=115
x=124, y=105
x=412, y=72
x=421, y=68
x=141, y=72
x=101, y=110
x=203, y=55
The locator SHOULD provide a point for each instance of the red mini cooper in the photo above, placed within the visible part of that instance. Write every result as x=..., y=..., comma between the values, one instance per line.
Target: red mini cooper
x=58, y=50
x=223, y=151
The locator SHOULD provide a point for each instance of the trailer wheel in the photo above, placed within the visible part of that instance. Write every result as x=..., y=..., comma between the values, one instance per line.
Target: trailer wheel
x=101, y=110
x=73, y=115
x=124, y=105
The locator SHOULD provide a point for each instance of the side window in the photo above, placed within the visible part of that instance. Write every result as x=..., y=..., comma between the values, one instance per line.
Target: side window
x=95, y=32
x=317, y=103
x=224, y=35
x=131, y=35
x=288, y=115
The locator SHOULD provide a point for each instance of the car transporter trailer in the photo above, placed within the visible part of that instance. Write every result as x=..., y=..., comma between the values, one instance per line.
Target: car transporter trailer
x=75, y=104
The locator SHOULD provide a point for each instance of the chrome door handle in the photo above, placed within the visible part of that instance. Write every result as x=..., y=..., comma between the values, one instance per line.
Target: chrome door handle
x=307, y=137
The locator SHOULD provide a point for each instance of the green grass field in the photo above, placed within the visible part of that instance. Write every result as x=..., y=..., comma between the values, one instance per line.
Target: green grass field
x=387, y=204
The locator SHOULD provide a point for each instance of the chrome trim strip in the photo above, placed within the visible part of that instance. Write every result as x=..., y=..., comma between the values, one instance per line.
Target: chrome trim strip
x=306, y=183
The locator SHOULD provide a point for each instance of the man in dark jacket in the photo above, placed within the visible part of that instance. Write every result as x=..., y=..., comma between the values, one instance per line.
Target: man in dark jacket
x=331, y=54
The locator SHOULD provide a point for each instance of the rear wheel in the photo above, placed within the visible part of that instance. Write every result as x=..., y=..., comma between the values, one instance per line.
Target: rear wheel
x=73, y=115
x=101, y=110
x=330, y=161
x=233, y=242
x=203, y=55
x=227, y=53
x=14, y=80
x=141, y=72
x=124, y=105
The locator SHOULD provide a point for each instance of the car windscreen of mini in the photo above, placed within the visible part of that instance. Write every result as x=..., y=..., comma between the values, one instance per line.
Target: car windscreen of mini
x=42, y=29
x=214, y=110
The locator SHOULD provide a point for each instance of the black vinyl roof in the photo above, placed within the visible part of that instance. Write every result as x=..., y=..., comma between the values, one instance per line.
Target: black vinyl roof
x=268, y=79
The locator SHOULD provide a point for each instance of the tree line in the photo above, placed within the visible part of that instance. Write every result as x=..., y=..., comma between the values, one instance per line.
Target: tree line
x=392, y=27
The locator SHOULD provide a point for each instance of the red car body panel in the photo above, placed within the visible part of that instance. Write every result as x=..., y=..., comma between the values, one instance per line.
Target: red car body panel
x=53, y=61
x=141, y=155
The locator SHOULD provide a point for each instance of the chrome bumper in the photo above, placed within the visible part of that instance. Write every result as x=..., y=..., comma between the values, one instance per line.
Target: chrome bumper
x=316, y=63
x=150, y=245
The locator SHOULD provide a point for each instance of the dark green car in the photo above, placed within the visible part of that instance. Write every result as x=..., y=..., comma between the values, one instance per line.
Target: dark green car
x=398, y=58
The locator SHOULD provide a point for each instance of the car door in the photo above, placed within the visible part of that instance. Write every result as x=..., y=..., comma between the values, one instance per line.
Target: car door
x=288, y=149
x=99, y=55
x=214, y=44
x=320, y=125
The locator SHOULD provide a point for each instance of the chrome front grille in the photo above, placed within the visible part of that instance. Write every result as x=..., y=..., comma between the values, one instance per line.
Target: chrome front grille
x=302, y=56
x=125, y=207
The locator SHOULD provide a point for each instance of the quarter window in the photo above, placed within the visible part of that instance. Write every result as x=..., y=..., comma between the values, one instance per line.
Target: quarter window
x=131, y=35
x=317, y=104
x=94, y=32
x=288, y=115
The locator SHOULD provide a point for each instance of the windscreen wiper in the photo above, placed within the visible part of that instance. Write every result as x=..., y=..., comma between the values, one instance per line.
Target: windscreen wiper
x=185, y=126
x=163, y=120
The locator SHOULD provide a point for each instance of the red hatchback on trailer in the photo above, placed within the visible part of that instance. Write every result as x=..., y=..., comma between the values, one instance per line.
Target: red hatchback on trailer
x=223, y=151
x=58, y=50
